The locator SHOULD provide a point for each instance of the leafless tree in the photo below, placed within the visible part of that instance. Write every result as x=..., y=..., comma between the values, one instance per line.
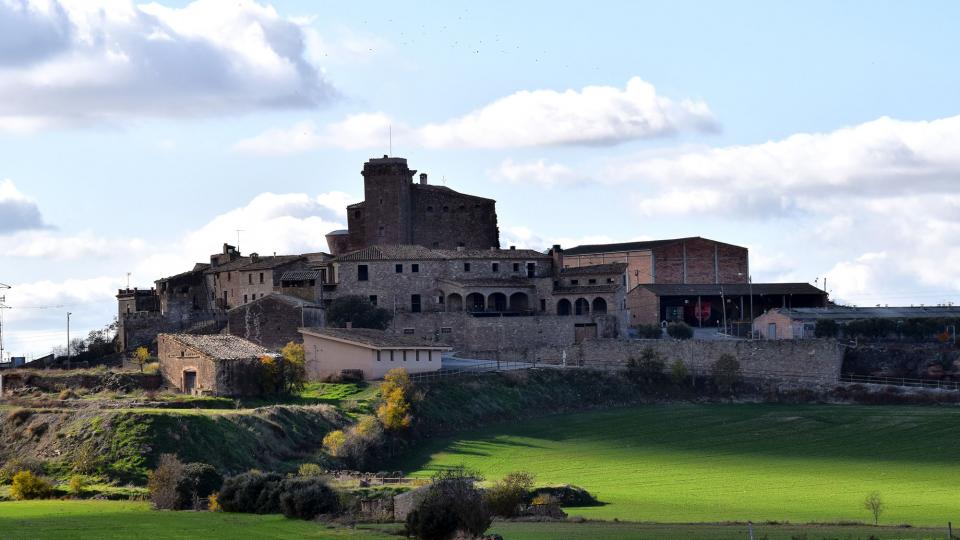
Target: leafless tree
x=874, y=503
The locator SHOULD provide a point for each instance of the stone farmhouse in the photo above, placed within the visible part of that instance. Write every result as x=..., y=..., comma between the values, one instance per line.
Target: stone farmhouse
x=218, y=365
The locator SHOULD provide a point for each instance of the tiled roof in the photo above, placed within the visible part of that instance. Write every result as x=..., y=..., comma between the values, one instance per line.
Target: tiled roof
x=300, y=275
x=631, y=246
x=712, y=289
x=432, y=187
x=507, y=283
x=415, y=253
x=595, y=269
x=262, y=263
x=853, y=313
x=222, y=347
x=197, y=269
x=285, y=298
x=377, y=339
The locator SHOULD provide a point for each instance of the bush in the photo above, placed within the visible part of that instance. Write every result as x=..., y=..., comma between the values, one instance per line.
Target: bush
x=307, y=498
x=648, y=368
x=333, y=442
x=679, y=330
x=151, y=368
x=77, y=484
x=725, y=372
x=505, y=497
x=649, y=331
x=309, y=469
x=679, y=373
x=27, y=486
x=451, y=504
x=252, y=493
x=394, y=411
x=177, y=486
x=826, y=328
x=18, y=416
x=359, y=311
x=16, y=464
x=213, y=503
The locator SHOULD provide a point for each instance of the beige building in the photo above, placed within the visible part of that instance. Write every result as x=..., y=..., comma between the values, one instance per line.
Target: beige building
x=331, y=351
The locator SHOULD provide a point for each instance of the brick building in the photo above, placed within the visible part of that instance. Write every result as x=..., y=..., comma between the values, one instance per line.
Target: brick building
x=397, y=211
x=210, y=365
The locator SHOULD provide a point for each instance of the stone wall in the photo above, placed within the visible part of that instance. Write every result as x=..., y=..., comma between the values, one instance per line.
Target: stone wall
x=813, y=360
x=272, y=322
x=445, y=219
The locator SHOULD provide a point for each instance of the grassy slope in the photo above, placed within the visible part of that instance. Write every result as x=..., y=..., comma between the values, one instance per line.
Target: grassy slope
x=694, y=463
x=65, y=520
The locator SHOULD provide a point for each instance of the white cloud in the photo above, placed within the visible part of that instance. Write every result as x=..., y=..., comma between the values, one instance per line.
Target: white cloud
x=17, y=211
x=58, y=247
x=539, y=172
x=69, y=63
x=595, y=115
x=355, y=132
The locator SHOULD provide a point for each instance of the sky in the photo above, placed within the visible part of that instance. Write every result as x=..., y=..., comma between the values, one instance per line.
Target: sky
x=138, y=137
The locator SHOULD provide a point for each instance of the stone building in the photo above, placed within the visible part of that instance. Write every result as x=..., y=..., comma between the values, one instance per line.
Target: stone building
x=801, y=322
x=397, y=211
x=272, y=321
x=372, y=353
x=245, y=279
x=211, y=364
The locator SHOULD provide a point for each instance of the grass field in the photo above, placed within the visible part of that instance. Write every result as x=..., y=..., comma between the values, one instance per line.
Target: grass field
x=103, y=520
x=714, y=463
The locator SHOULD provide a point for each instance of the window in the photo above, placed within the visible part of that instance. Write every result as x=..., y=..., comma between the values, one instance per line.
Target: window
x=495, y=267
x=261, y=277
x=250, y=279
x=416, y=355
x=461, y=244
x=543, y=305
x=363, y=273
x=436, y=244
x=399, y=268
x=446, y=330
x=516, y=267
x=466, y=267
x=446, y=208
x=409, y=331
x=462, y=208
x=312, y=282
x=380, y=231
x=228, y=276
x=244, y=299
x=415, y=303
x=356, y=213
x=373, y=299
x=574, y=281
x=415, y=268
x=378, y=356
x=391, y=355
x=609, y=280
x=531, y=269
x=592, y=281
x=429, y=209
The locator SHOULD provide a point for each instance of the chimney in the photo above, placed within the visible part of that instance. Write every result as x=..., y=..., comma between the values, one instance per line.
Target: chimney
x=254, y=257
x=513, y=248
x=423, y=178
x=556, y=253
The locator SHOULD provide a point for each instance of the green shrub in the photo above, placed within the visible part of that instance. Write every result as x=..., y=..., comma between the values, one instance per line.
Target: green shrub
x=252, y=493
x=649, y=331
x=16, y=464
x=151, y=368
x=451, y=504
x=505, y=497
x=307, y=498
x=725, y=372
x=27, y=486
x=309, y=469
x=648, y=368
x=359, y=311
x=177, y=486
x=679, y=373
x=826, y=328
x=679, y=330
x=77, y=484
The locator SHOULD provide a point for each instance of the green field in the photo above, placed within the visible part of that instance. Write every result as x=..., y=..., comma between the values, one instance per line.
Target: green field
x=103, y=520
x=715, y=463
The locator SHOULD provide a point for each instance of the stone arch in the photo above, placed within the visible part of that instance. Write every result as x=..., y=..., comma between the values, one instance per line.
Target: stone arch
x=454, y=302
x=497, y=302
x=563, y=307
x=581, y=307
x=599, y=306
x=475, y=302
x=519, y=301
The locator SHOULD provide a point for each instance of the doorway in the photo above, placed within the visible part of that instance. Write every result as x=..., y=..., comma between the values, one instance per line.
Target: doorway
x=189, y=381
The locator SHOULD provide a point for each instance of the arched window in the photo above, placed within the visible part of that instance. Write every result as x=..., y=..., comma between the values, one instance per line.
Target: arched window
x=599, y=306
x=497, y=302
x=454, y=302
x=563, y=307
x=519, y=302
x=475, y=302
x=581, y=307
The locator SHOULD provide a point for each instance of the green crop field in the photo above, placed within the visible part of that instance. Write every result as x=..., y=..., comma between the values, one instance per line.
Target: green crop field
x=711, y=463
x=106, y=520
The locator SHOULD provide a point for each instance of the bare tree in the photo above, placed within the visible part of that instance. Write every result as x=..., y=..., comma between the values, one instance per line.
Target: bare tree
x=875, y=505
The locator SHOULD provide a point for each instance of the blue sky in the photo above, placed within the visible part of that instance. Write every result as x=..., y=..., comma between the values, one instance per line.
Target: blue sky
x=136, y=138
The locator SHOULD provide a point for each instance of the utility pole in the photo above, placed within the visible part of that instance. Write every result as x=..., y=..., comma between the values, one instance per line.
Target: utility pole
x=2, y=307
x=128, y=280
x=238, y=239
x=68, y=339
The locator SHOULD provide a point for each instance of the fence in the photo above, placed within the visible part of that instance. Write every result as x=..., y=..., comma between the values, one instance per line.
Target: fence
x=476, y=368
x=901, y=381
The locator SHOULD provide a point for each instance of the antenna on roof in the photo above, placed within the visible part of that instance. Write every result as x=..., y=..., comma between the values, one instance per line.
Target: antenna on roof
x=390, y=135
x=238, y=239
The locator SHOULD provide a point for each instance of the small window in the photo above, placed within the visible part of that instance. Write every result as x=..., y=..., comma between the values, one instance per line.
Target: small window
x=463, y=208
x=261, y=277
x=429, y=209
x=495, y=267
x=440, y=299
x=391, y=355
x=363, y=273
x=415, y=303
x=466, y=267
x=414, y=268
x=373, y=299
x=531, y=269
x=409, y=331
x=516, y=267
x=610, y=280
x=446, y=330
x=228, y=276
x=574, y=281
x=403, y=354
x=461, y=244
x=312, y=282
x=356, y=213
x=436, y=244
x=543, y=305
x=378, y=356
x=446, y=208
x=399, y=268
x=250, y=279
x=244, y=299
x=416, y=355
x=592, y=281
